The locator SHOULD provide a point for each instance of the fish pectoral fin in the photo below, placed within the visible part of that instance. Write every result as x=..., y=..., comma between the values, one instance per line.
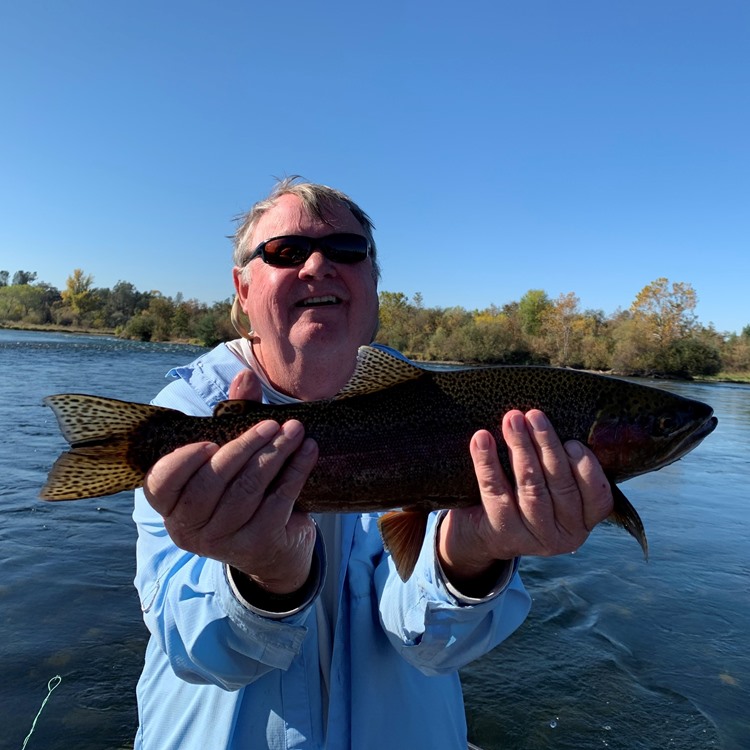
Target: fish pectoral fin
x=626, y=516
x=377, y=370
x=403, y=534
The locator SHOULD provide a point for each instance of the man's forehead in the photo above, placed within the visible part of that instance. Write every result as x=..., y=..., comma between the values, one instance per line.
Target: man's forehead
x=288, y=215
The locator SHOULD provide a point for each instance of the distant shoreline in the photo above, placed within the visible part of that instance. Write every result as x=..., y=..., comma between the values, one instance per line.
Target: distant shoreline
x=52, y=328
x=729, y=377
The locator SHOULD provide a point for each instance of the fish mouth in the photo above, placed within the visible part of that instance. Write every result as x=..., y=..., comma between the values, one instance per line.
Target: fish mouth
x=702, y=432
x=324, y=300
x=691, y=441
x=639, y=453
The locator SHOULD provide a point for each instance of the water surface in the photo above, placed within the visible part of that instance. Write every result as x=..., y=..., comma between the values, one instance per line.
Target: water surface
x=616, y=653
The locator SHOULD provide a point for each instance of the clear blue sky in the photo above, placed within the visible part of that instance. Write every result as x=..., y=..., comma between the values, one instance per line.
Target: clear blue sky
x=566, y=145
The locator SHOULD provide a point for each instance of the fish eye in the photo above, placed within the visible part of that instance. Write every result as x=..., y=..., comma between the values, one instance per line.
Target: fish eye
x=666, y=424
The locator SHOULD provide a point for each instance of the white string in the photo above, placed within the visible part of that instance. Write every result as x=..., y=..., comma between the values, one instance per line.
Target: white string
x=51, y=685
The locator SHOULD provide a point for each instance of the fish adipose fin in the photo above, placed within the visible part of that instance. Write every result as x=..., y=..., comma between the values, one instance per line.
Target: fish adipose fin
x=377, y=370
x=403, y=534
x=626, y=516
x=99, y=431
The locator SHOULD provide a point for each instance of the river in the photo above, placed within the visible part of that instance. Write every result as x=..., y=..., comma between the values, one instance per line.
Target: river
x=616, y=653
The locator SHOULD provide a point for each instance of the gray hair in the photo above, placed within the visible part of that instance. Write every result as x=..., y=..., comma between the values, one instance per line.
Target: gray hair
x=317, y=200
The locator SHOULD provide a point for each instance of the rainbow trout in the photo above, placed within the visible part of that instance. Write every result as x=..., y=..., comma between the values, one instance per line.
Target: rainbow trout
x=396, y=437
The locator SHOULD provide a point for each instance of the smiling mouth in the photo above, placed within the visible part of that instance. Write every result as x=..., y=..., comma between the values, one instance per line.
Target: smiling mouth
x=325, y=301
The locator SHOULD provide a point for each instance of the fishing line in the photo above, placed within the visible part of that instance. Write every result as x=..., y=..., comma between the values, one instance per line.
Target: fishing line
x=51, y=685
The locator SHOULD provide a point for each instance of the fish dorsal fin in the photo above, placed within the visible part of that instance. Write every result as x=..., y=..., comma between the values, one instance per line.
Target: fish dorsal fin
x=377, y=370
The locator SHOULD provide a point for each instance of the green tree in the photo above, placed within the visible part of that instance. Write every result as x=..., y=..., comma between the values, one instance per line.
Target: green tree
x=4, y=276
x=161, y=310
x=77, y=294
x=140, y=327
x=28, y=303
x=21, y=278
x=215, y=325
x=396, y=317
x=531, y=311
x=125, y=300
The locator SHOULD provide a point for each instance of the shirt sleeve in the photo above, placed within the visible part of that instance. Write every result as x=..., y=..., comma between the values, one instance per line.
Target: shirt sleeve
x=207, y=631
x=432, y=625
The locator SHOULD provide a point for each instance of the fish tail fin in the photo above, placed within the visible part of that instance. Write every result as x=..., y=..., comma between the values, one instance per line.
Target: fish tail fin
x=626, y=516
x=100, y=432
x=403, y=534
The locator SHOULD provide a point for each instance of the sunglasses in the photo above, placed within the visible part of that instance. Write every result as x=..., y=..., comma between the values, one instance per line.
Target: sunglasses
x=294, y=249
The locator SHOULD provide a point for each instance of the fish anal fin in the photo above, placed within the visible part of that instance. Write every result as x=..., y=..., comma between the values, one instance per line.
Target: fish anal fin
x=403, y=534
x=626, y=516
x=377, y=370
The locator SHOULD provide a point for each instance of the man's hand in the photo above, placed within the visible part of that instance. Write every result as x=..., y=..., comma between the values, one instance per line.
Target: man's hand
x=561, y=493
x=235, y=503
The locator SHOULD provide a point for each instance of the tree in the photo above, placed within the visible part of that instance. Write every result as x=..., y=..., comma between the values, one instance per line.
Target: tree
x=596, y=344
x=4, y=276
x=531, y=311
x=125, y=299
x=395, y=316
x=21, y=278
x=77, y=294
x=161, y=310
x=559, y=320
x=666, y=312
x=26, y=302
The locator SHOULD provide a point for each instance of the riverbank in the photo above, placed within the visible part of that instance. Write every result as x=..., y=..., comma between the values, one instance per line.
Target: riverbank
x=52, y=328
x=81, y=331
x=722, y=377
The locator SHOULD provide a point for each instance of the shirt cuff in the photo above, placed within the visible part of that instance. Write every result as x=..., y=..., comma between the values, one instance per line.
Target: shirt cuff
x=505, y=576
x=274, y=606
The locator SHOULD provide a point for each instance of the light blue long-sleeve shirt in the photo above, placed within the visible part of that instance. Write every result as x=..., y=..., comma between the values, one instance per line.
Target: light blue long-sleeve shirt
x=219, y=674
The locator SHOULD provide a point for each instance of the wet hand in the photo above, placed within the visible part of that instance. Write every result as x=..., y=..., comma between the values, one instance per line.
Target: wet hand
x=560, y=495
x=235, y=503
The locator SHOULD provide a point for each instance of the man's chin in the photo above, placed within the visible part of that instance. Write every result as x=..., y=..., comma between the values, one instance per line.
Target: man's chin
x=316, y=330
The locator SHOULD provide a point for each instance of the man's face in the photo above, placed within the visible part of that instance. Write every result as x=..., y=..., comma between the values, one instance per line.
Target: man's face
x=329, y=306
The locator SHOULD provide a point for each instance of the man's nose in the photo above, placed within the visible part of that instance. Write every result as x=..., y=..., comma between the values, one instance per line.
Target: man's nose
x=317, y=265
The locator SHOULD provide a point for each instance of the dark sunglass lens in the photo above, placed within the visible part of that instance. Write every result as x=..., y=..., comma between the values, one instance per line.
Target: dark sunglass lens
x=287, y=251
x=346, y=248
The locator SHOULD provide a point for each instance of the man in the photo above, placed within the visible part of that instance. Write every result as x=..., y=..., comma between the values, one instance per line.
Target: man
x=271, y=629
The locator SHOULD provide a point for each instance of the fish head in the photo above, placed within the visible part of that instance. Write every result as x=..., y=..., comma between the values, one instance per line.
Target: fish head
x=645, y=429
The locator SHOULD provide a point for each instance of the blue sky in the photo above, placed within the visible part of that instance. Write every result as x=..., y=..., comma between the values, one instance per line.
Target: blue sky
x=586, y=146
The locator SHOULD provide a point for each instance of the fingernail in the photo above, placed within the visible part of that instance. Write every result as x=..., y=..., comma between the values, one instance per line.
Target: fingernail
x=243, y=376
x=267, y=429
x=482, y=441
x=574, y=449
x=210, y=449
x=538, y=421
x=292, y=428
x=517, y=422
x=308, y=447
